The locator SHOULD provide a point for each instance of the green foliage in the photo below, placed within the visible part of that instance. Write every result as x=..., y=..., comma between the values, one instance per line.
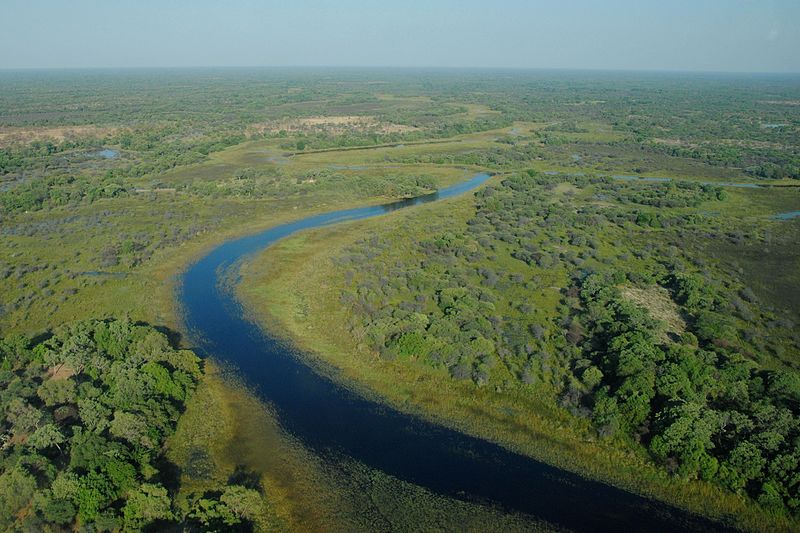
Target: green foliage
x=467, y=298
x=235, y=506
x=57, y=191
x=507, y=299
x=147, y=505
x=101, y=398
x=16, y=489
x=704, y=411
x=669, y=194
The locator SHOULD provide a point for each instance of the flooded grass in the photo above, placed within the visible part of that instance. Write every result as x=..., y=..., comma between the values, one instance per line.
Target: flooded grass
x=303, y=491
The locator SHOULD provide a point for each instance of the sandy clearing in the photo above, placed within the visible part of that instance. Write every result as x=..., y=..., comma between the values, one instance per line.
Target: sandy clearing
x=332, y=124
x=657, y=301
x=24, y=135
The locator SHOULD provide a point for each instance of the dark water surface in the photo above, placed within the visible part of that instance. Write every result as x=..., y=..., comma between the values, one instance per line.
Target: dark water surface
x=335, y=422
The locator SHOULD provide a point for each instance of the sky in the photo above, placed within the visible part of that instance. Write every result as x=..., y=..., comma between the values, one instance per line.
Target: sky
x=682, y=35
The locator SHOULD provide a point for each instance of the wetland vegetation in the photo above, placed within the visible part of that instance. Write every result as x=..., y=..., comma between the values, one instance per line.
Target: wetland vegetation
x=639, y=332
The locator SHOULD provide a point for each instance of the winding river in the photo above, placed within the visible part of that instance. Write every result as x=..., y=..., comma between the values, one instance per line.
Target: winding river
x=335, y=422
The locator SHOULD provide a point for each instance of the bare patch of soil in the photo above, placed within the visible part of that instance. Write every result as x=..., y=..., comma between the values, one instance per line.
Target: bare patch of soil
x=657, y=301
x=18, y=135
x=60, y=372
x=333, y=124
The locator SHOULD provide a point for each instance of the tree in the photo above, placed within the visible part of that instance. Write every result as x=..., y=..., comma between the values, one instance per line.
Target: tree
x=745, y=463
x=16, y=490
x=235, y=505
x=95, y=492
x=785, y=386
x=684, y=431
x=714, y=327
x=154, y=346
x=672, y=382
x=132, y=428
x=575, y=332
x=94, y=415
x=118, y=371
x=15, y=351
x=244, y=503
x=592, y=377
x=148, y=504
x=605, y=414
x=412, y=344
x=55, y=510
x=162, y=382
x=57, y=391
x=46, y=436
x=537, y=331
x=24, y=417
x=212, y=514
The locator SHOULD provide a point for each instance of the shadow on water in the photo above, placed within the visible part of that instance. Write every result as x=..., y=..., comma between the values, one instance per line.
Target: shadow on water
x=334, y=421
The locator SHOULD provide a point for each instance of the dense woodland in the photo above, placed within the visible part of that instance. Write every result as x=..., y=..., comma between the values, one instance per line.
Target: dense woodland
x=707, y=383
x=85, y=413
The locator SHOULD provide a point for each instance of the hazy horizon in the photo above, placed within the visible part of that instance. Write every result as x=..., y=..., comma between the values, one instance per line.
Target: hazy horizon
x=704, y=36
x=410, y=68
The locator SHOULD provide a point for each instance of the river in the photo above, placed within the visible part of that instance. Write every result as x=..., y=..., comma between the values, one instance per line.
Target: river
x=334, y=422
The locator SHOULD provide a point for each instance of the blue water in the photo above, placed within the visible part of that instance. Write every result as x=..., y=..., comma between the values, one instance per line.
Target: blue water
x=107, y=153
x=787, y=216
x=738, y=185
x=337, y=423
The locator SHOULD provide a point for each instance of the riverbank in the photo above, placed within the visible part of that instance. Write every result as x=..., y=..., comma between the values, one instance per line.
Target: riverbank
x=300, y=490
x=245, y=434
x=288, y=290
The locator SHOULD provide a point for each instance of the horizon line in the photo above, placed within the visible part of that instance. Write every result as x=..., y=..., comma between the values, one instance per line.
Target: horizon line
x=403, y=67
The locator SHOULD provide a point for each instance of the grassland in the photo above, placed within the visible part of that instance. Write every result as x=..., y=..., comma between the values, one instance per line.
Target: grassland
x=55, y=259
x=120, y=256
